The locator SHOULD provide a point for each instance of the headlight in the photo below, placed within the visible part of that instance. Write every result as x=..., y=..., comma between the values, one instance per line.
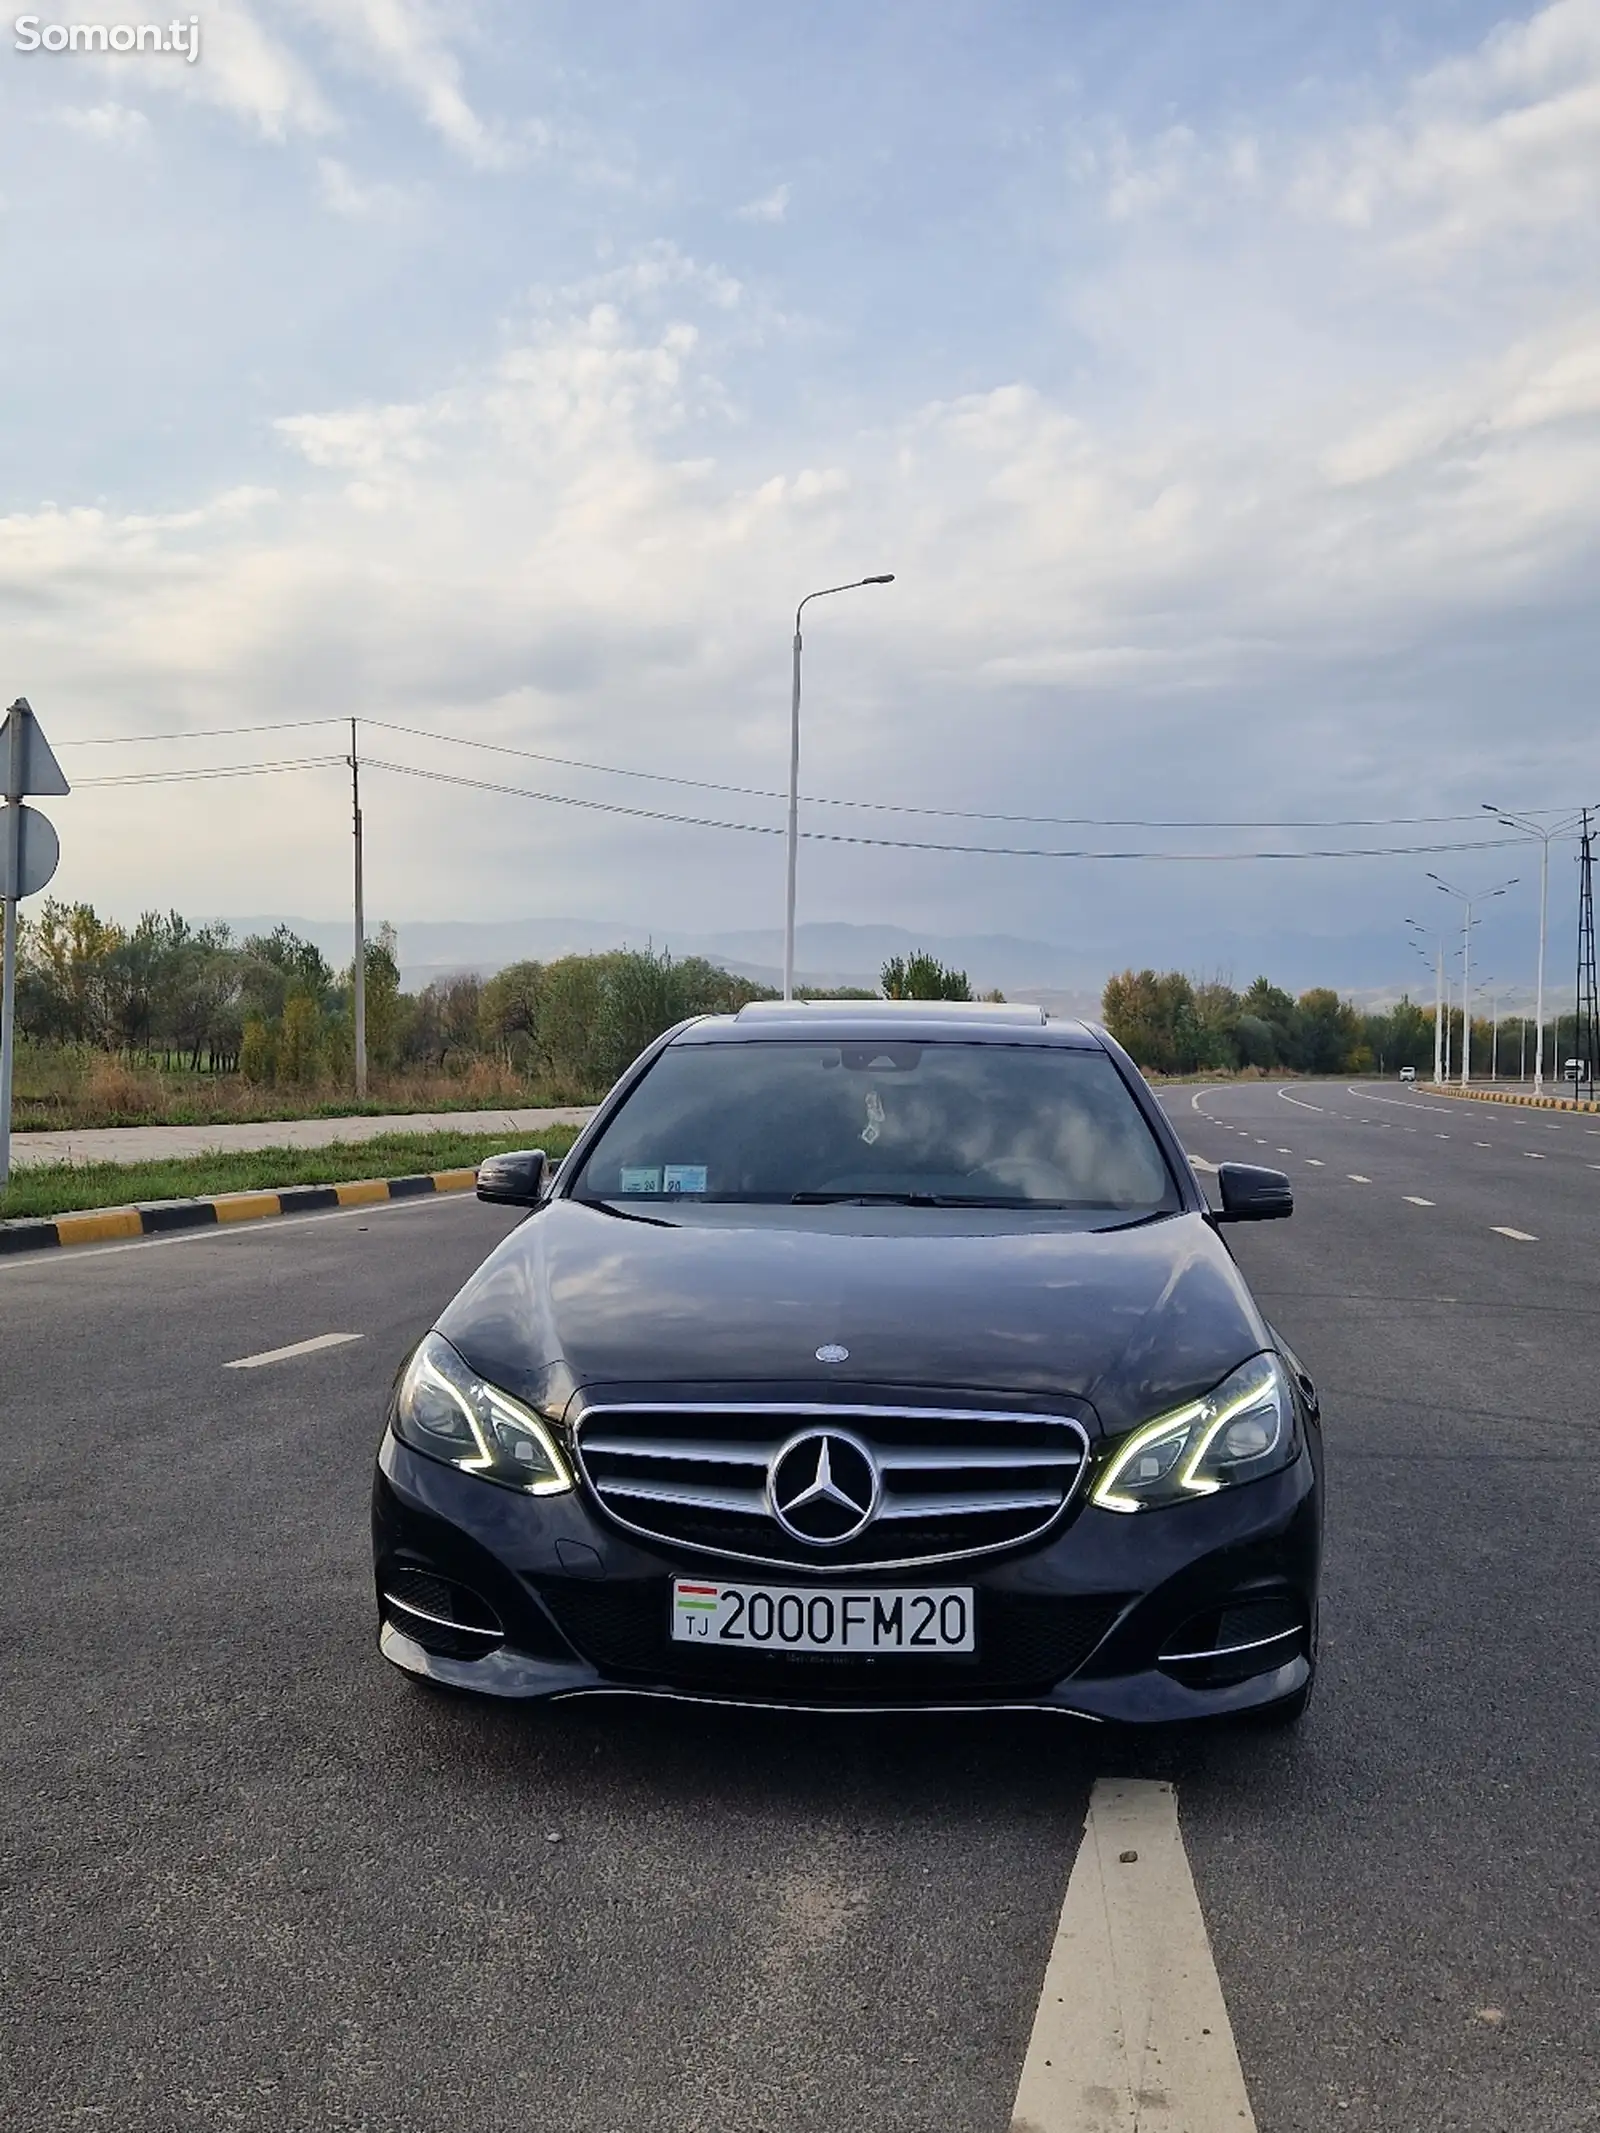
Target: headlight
x=447, y=1411
x=1245, y=1429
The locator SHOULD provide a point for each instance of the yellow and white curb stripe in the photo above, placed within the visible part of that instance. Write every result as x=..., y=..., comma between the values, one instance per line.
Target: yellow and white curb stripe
x=158, y=1217
x=1510, y=1096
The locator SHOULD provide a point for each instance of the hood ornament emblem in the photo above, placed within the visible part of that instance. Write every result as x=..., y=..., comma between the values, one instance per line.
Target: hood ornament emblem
x=824, y=1487
x=831, y=1352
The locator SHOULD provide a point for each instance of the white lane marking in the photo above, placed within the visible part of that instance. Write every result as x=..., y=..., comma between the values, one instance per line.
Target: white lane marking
x=1315, y=1162
x=1532, y=1156
x=283, y=1355
x=1441, y=1136
x=1483, y=1144
x=1295, y=1100
x=1131, y=2031
x=1356, y=1178
x=1520, y=1236
x=1200, y=1163
x=1284, y=1151
x=1411, y=1199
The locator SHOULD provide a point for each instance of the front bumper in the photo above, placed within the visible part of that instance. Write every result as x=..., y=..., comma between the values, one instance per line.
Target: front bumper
x=1090, y=1623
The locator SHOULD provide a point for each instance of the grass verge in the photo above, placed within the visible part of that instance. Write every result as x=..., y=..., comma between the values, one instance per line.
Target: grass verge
x=71, y=1188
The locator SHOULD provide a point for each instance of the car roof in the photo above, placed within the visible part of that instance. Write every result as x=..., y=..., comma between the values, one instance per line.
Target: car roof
x=849, y=1021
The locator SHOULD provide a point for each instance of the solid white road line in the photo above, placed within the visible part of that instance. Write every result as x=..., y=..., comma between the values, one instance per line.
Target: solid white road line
x=1411, y=1199
x=1519, y=1236
x=1299, y=1105
x=283, y=1355
x=1132, y=2032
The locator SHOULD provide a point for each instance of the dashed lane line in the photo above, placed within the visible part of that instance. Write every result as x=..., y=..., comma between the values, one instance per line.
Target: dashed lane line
x=1132, y=2030
x=1533, y=1155
x=283, y=1355
x=1518, y=1236
x=1356, y=1178
x=1413, y=1200
x=1316, y=1162
x=1200, y=1163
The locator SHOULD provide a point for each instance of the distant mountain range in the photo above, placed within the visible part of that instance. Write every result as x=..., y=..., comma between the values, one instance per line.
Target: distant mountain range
x=1367, y=966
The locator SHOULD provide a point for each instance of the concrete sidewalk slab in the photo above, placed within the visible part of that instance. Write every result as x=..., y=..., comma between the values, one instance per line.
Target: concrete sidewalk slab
x=140, y=1144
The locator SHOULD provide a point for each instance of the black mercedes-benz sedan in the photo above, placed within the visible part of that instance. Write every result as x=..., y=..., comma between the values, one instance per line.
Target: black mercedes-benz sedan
x=862, y=1355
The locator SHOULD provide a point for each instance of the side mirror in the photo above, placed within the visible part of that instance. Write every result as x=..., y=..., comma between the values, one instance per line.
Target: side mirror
x=1251, y=1194
x=515, y=1180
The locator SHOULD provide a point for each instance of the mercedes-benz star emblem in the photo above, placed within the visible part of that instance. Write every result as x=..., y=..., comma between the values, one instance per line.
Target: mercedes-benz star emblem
x=823, y=1487
x=831, y=1352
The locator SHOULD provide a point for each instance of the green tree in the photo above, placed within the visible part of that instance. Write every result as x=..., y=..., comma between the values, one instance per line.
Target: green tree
x=1328, y=1032
x=1151, y=1017
x=300, y=1041
x=922, y=977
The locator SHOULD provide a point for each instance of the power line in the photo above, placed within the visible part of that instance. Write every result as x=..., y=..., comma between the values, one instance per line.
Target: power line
x=758, y=792
x=907, y=844
x=229, y=770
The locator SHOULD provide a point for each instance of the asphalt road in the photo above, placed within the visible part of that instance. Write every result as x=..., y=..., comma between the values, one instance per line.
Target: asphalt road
x=251, y=1878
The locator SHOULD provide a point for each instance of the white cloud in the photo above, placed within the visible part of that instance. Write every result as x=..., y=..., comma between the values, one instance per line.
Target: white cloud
x=119, y=124
x=407, y=44
x=254, y=76
x=771, y=207
x=344, y=194
x=1506, y=139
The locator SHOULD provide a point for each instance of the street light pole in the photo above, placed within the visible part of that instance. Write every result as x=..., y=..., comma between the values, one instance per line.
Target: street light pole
x=1467, y=924
x=885, y=578
x=1533, y=829
x=1438, y=1002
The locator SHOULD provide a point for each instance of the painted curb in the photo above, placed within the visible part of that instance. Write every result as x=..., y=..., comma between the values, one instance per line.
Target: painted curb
x=1509, y=1096
x=155, y=1218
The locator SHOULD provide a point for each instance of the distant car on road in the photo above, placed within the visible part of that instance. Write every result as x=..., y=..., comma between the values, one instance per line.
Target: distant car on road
x=865, y=1355
x=1408, y=1073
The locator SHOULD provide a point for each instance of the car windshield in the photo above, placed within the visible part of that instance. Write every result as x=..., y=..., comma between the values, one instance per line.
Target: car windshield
x=942, y=1123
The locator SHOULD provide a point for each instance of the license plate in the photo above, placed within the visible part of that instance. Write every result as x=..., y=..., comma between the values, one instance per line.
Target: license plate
x=786, y=1618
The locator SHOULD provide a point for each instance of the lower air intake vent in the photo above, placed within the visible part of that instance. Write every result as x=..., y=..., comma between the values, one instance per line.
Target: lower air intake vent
x=443, y=1617
x=1251, y=1635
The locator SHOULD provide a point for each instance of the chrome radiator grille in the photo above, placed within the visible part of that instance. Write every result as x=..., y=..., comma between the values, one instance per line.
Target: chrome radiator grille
x=950, y=1482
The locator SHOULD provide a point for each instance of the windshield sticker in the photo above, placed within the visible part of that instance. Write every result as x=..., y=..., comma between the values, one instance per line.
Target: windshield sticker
x=685, y=1177
x=874, y=1124
x=635, y=1179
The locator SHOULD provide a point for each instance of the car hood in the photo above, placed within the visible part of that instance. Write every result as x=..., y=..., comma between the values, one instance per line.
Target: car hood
x=1129, y=1321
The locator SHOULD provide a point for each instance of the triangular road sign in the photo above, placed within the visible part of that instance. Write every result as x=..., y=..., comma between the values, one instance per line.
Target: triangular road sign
x=26, y=763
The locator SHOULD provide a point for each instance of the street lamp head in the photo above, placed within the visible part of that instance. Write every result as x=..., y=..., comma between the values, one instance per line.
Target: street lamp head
x=886, y=579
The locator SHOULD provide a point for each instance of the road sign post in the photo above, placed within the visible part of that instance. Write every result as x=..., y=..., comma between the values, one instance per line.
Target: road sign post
x=29, y=855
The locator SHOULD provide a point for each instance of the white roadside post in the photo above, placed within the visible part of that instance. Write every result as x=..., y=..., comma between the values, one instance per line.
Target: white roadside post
x=29, y=856
x=885, y=578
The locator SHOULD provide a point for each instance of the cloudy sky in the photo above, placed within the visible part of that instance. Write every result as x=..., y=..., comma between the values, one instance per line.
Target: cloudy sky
x=1221, y=382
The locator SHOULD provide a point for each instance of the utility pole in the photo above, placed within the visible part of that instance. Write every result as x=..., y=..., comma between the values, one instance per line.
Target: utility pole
x=358, y=968
x=1587, y=1033
x=1438, y=1022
